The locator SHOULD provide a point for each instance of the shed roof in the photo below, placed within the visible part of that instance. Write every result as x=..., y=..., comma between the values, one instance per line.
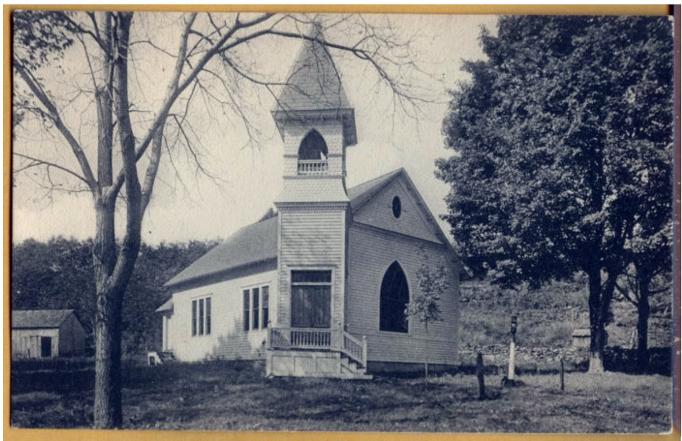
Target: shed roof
x=39, y=318
x=258, y=242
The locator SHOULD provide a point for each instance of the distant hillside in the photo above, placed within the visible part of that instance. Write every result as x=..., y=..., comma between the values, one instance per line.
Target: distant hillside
x=548, y=316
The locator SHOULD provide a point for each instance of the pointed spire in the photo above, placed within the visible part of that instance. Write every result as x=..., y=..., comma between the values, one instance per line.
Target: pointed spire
x=313, y=82
x=313, y=87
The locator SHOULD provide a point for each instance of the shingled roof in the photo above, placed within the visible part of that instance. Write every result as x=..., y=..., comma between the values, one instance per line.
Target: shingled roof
x=313, y=82
x=314, y=88
x=39, y=318
x=257, y=243
x=252, y=244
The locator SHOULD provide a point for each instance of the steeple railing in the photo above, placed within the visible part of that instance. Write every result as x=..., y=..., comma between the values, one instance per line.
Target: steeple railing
x=312, y=166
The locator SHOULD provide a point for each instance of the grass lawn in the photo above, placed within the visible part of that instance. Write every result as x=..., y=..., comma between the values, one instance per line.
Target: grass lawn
x=229, y=396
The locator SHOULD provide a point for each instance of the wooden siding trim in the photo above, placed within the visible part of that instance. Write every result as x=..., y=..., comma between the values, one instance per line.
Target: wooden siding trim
x=397, y=234
x=431, y=218
x=371, y=252
x=313, y=206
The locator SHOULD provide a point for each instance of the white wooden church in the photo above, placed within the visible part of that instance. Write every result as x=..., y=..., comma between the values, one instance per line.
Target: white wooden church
x=319, y=286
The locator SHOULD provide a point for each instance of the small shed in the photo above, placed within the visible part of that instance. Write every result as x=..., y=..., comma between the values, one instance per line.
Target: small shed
x=46, y=333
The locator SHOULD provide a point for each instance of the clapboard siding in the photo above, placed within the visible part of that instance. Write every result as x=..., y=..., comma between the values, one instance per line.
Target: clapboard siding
x=26, y=342
x=312, y=237
x=67, y=339
x=331, y=131
x=412, y=221
x=371, y=252
x=324, y=188
x=228, y=339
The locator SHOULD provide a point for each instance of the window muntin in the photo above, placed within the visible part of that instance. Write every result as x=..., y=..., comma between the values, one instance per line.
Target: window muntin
x=256, y=307
x=394, y=298
x=311, y=299
x=201, y=316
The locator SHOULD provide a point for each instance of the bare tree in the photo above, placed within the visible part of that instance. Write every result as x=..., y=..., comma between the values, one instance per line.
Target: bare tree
x=119, y=165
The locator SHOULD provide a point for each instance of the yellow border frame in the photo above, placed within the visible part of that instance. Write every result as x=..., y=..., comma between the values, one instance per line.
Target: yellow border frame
x=168, y=435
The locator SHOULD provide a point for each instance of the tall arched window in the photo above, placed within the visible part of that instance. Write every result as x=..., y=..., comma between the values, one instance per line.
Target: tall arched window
x=395, y=296
x=312, y=147
x=312, y=155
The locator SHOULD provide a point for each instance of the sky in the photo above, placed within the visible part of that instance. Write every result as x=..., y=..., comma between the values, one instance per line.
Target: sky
x=247, y=177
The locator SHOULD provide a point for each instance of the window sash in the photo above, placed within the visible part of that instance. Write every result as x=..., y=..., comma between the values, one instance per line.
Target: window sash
x=201, y=316
x=194, y=317
x=265, y=292
x=208, y=316
x=311, y=306
x=247, y=309
x=255, y=306
x=311, y=277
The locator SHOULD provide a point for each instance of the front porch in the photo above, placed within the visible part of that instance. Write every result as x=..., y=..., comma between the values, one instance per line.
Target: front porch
x=315, y=352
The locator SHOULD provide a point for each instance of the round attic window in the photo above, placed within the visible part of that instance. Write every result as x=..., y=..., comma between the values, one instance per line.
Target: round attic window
x=396, y=207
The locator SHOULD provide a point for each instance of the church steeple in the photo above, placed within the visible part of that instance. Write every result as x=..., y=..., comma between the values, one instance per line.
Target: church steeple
x=316, y=123
x=314, y=89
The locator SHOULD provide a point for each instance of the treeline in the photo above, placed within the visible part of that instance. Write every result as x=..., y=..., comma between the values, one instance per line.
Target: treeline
x=58, y=274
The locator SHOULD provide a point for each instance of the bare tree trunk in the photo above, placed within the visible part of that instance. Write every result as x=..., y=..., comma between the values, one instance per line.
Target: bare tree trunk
x=643, y=311
x=114, y=274
x=108, y=410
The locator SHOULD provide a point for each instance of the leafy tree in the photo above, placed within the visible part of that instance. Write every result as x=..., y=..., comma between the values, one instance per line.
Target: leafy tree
x=555, y=135
x=118, y=165
x=424, y=304
x=58, y=274
x=54, y=275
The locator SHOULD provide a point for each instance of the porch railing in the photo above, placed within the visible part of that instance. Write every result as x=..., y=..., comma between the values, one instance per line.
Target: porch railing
x=300, y=338
x=319, y=338
x=312, y=166
x=354, y=348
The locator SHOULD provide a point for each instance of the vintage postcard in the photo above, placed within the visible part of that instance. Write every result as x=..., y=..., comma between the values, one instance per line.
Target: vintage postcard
x=341, y=221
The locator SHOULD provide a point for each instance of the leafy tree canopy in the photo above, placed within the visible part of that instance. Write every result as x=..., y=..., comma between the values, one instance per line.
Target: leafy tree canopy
x=564, y=151
x=564, y=145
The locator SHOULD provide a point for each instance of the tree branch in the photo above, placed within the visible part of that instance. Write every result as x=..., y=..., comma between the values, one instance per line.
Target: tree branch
x=54, y=115
x=38, y=162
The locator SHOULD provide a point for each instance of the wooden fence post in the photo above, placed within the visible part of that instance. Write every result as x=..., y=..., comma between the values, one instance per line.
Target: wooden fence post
x=480, y=375
x=561, y=373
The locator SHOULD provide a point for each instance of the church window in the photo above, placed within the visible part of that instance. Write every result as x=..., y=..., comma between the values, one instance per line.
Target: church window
x=312, y=154
x=311, y=299
x=394, y=298
x=201, y=316
x=397, y=207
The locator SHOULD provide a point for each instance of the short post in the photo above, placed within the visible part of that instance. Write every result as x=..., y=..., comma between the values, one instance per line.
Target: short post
x=512, y=350
x=337, y=337
x=561, y=373
x=268, y=338
x=364, y=350
x=479, y=374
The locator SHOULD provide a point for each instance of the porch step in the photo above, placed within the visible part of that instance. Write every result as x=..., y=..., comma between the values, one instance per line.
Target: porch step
x=320, y=364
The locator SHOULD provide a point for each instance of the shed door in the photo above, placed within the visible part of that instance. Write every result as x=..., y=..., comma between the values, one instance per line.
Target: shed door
x=46, y=346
